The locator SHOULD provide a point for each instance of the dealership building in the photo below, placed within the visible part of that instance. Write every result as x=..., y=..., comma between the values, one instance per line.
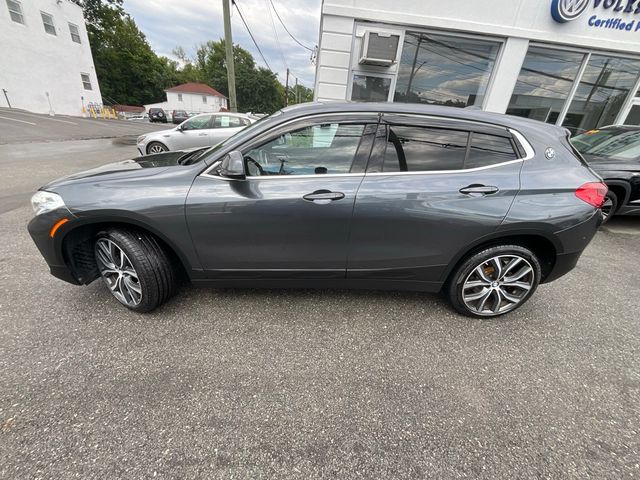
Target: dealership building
x=574, y=63
x=45, y=58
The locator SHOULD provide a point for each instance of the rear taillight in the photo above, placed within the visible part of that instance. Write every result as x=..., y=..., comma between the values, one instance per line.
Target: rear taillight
x=593, y=193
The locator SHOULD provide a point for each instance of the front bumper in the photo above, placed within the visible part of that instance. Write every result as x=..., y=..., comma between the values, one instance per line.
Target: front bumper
x=51, y=248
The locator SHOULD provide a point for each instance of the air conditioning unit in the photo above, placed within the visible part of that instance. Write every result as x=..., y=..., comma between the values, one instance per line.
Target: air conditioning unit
x=379, y=48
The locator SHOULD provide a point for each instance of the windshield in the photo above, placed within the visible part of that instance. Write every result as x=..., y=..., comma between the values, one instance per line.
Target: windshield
x=614, y=144
x=242, y=134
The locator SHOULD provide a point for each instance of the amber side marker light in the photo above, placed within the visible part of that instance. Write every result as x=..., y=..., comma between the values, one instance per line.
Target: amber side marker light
x=57, y=225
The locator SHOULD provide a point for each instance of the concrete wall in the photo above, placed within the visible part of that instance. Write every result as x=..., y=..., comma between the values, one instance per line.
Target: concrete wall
x=33, y=62
x=515, y=22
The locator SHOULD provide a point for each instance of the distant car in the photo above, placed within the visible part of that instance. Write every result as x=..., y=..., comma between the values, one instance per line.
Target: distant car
x=204, y=130
x=376, y=195
x=614, y=153
x=157, y=115
x=138, y=118
x=179, y=116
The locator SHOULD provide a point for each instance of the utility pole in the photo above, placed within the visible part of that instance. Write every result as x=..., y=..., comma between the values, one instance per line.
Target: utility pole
x=286, y=90
x=228, y=43
x=295, y=92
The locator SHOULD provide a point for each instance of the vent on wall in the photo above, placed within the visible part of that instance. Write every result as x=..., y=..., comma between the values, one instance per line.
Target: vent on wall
x=379, y=48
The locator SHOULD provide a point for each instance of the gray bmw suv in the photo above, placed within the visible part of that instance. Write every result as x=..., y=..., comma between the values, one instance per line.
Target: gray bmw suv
x=480, y=206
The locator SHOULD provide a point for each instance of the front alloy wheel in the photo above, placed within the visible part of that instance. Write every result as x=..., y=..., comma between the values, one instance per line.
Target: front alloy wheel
x=494, y=281
x=118, y=272
x=135, y=267
x=156, y=147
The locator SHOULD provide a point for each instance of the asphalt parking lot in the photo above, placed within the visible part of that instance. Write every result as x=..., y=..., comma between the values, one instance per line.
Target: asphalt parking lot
x=307, y=384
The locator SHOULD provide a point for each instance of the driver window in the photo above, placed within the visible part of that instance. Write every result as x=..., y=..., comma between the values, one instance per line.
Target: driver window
x=196, y=123
x=327, y=148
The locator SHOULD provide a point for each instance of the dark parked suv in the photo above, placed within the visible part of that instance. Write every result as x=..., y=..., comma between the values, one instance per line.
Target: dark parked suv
x=157, y=115
x=614, y=153
x=179, y=116
x=385, y=196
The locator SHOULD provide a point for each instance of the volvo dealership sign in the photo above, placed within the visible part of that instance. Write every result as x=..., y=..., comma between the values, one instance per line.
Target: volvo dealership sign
x=564, y=11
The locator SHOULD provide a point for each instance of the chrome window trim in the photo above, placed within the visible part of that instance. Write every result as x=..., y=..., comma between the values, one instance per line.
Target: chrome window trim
x=529, y=151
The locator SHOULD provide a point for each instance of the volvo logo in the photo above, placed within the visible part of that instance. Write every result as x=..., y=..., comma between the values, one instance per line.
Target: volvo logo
x=566, y=10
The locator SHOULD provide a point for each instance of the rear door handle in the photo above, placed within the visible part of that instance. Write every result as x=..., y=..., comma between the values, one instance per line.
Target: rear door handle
x=323, y=197
x=477, y=189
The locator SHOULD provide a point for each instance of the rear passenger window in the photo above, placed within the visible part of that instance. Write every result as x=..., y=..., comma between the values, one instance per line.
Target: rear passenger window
x=422, y=149
x=488, y=150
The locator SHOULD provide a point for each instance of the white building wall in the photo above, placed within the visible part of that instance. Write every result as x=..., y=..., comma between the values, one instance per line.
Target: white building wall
x=191, y=102
x=34, y=62
x=516, y=22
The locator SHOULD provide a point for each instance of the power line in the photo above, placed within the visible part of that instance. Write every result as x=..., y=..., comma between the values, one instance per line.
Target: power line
x=251, y=34
x=275, y=34
x=287, y=30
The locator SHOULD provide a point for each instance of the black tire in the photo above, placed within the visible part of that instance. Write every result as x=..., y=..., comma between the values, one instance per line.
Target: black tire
x=465, y=274
x=609, y=206
x=158, y=145
x=155, y=271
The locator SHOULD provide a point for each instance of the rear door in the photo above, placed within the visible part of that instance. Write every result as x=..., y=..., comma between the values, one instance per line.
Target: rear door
x=224, y=126
x=432, y=187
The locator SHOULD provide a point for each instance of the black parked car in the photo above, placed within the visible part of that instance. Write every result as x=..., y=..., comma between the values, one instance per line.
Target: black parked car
x=179, y=116
x=391, y=196
x=157, y=115
x=614, y=152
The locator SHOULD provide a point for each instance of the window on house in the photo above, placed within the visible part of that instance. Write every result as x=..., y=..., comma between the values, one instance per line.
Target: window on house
x=179, y=97
x=15, y=11
x=86, y=81
x=204, y=99
x=75, y=33
x=47, y=21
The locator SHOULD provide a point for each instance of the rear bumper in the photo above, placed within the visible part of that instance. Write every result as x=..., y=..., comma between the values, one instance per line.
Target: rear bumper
x=574, y=240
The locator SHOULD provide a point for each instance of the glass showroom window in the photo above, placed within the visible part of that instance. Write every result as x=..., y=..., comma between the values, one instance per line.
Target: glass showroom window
x=544, y=83
x=602, y=92
x=443, y=70
x=367, y=88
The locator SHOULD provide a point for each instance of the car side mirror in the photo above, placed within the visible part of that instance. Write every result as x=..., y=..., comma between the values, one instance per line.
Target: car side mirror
x=233, y=166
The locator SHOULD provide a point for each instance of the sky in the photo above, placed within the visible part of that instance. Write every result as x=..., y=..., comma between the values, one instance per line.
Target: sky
x=188, y=23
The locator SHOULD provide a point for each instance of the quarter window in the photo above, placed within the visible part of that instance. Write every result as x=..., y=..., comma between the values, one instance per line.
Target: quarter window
x=47, y=21
x=15, y=11
x=86, y=81
x=75, y=33
x=422, y=149
x=488, y=150
x=328, y=148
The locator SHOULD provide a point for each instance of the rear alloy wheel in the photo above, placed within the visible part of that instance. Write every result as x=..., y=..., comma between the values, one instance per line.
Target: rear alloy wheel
x=156, y=147
x=135, y=268
x=495, y=281
x=609, y=206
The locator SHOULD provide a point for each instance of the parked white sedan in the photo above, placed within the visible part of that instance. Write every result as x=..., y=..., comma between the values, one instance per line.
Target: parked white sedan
x=204, y=130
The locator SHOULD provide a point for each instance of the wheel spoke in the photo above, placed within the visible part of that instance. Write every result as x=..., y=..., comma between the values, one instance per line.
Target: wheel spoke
x=510, y=266
x=476, y=296
x=483, y=302
x=510, y=298
x=497, y=264
x=523, y=272
x=520, y=285
x=496, y=305
x=481, y=273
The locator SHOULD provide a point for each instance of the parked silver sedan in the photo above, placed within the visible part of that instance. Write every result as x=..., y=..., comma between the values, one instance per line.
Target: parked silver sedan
x=204, y=130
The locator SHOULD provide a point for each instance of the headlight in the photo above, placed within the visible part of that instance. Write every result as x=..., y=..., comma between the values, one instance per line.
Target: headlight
x=43, y=202
x=141, y=138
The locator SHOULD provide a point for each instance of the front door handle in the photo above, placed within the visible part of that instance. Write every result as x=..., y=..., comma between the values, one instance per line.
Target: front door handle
x=323, y=197
x=477, y=189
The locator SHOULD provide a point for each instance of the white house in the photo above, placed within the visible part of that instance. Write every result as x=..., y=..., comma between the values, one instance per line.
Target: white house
x=45, y=58
x=572, y=63
x=192, y=97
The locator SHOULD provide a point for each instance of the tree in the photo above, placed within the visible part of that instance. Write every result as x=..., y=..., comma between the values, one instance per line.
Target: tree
x=128, y=69
x=300, y=94
x=257, y=88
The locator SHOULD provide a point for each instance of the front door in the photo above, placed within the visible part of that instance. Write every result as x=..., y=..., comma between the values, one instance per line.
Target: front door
x=193, y=133
x=432, y=187
x=291, y=216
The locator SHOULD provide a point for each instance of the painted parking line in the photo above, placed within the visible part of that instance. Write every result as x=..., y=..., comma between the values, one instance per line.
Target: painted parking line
x=42, y=117
x=16, y=120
